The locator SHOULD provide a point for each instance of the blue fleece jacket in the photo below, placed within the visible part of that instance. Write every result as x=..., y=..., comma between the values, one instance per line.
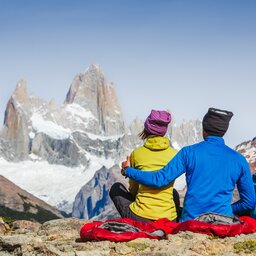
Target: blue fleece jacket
x=212, y=171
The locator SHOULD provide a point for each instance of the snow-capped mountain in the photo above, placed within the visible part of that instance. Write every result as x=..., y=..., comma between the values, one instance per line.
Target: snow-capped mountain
x=90, y=121
x=52, y=151
x=248, y=149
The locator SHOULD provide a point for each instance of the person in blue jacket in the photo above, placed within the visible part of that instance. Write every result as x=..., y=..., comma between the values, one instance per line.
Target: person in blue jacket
x=212, y=172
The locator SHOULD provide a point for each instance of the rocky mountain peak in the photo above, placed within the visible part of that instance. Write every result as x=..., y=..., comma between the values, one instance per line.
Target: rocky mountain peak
x=92, y=92
x=20, y=94
x=15, y=123
x=84, y=84
x=95, y=68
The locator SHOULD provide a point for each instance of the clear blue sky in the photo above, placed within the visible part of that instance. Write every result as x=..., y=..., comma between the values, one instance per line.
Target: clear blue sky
x=180, y=55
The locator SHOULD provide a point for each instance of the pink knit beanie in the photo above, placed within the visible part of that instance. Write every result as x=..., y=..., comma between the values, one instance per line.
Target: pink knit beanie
x=157, y=122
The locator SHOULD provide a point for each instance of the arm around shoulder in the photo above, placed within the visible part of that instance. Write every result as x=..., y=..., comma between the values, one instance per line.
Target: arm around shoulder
x=162, y=177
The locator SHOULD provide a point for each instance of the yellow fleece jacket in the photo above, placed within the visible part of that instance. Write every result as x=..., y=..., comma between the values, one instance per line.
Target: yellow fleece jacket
x=153, y=203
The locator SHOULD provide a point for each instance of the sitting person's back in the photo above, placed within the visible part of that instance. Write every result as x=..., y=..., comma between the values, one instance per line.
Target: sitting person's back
x=212, y=172
x=141, y=202
x=153, y=203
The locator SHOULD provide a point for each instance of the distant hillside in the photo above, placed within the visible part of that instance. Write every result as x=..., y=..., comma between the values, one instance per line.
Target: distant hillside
x=18, y=204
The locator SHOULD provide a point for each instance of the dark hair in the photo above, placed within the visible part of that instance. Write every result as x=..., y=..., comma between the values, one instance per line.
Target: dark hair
x=144, y=134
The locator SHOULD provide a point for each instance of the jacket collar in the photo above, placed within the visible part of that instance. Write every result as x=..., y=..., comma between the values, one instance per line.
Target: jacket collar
x=215, y=139
x=157, y=143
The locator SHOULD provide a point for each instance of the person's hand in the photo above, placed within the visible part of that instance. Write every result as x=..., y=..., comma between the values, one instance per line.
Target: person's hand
x=125, y=164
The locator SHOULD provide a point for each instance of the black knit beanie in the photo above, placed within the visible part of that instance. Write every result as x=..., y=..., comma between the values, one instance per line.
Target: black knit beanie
x=216, y=121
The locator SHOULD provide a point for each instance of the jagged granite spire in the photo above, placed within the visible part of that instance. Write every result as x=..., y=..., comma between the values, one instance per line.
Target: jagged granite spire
x=15, y=124
x=92, y=92
x=20, y=93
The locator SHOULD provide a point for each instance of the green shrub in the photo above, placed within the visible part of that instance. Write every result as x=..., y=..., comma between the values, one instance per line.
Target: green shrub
x=248, y=246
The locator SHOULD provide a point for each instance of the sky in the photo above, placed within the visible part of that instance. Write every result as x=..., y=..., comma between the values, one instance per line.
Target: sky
x=180, y=55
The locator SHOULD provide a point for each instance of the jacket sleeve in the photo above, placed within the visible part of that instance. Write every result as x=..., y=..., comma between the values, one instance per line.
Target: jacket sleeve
x=162, y=177
x=246, y=191
x=133, y=185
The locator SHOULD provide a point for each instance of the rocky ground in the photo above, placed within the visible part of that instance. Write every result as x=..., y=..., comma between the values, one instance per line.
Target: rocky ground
x=61, y=238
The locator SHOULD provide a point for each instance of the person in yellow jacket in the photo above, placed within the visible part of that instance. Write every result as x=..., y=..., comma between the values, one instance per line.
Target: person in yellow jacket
x=141, y=202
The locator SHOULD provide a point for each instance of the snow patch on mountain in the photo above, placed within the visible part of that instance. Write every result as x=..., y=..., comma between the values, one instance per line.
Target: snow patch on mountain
x=104, y=138
x=50, y=128
x=78, y=111
x=55, y=184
